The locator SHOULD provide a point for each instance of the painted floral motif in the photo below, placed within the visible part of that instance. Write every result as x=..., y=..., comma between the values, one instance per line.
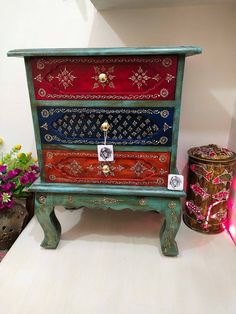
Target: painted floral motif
x=195, y=210
x=109, y=76
x=201, y=171
x=139, y=168
x=169, y=77
x=198, y=190
x=73, y=168
x=154, y=74
x=112, y=168
x=39, y=78
x=139, y=78
x=65, y=78
x=221, y=196
x=224, y=178
x=157, y=77
x=220, y=215
x=212, y=152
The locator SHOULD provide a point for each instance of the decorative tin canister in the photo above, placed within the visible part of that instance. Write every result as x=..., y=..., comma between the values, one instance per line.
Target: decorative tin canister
x=209, y=179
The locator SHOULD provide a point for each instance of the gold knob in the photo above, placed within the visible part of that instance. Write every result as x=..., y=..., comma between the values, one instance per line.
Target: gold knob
x=105, y=169
x=102, y=77
x=105, y=126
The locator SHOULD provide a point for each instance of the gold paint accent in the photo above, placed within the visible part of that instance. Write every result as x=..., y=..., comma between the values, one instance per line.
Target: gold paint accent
x=169, y=239
x=172, y=205
x=42, y=92
x=70, y=199
x=105, y=169
x=105, y=201
x=65, y=78
x=42, y=199
x=142, y=201
x=105, y=126
x=102, y=77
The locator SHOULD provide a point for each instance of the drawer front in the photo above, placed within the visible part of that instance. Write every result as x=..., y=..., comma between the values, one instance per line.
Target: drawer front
x=130, y=126
x=129, y=168
x=105, y=78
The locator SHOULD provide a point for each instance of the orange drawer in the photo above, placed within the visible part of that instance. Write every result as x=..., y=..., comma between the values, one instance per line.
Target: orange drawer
x=129, y=168
x=105, y=78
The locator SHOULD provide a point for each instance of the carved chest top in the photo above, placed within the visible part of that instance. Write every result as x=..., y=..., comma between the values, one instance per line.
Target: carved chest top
x=136, y=92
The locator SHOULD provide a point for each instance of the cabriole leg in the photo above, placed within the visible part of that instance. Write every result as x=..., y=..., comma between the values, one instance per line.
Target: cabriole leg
x=170, y=228
x=48, y=221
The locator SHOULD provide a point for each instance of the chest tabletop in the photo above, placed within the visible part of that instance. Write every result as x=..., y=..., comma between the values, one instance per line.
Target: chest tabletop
x=129, y=98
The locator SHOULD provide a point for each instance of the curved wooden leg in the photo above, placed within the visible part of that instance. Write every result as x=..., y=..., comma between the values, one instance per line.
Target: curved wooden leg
x=48, y=221
x=170, y=228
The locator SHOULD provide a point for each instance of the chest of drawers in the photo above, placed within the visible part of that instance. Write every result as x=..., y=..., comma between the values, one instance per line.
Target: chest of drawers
x=128, y=97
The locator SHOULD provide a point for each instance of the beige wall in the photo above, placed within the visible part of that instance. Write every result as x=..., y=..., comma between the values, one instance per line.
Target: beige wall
x=209, y=91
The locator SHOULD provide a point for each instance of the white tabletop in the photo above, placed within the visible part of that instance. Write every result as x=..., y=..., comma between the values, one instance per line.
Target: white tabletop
x=110, y=263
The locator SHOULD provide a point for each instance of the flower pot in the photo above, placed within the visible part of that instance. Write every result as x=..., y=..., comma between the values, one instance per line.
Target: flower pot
x=13, y=220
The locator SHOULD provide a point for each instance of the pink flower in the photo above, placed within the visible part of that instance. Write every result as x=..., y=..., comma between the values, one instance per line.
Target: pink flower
x=3, y=169
x=28, y=177
x=13, y=173
x=8, y=186
x=35, y=168
x=6, y=200
x=9, y=204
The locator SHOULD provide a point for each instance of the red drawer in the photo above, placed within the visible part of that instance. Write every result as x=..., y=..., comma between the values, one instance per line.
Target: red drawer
x=105, y=78
x=129, y=168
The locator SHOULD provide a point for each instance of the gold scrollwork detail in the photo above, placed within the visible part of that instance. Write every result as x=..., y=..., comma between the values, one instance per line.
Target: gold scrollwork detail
x=105, y=201
x=142, y=201
x=174, y=218
x=172, y=205
x=42, y=201
x=40, y=64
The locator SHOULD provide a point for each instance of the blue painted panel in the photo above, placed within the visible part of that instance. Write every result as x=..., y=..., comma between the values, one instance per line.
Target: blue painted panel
x=128, y=126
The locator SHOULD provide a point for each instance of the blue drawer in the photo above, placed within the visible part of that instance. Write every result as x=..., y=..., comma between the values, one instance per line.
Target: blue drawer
x=128, y=126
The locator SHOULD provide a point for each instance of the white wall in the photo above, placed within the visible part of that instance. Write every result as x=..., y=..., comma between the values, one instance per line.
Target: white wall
x=209, y=91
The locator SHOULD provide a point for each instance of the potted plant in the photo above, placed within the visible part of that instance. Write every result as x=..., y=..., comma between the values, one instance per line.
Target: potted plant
x=17, y=172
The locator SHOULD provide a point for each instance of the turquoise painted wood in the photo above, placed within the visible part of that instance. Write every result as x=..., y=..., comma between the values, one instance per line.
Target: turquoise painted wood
x=169, y=207
x=116, y=197
x=182, y=50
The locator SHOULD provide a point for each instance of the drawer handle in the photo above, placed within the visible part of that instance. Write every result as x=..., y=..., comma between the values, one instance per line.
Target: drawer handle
x=102, y=77
x=105, y=126
x=105, y=169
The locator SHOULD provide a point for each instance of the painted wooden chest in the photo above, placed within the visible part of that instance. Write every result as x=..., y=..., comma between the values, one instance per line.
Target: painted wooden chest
x=125, y=97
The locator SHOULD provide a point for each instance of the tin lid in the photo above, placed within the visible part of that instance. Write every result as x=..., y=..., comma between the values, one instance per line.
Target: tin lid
x=212, y=152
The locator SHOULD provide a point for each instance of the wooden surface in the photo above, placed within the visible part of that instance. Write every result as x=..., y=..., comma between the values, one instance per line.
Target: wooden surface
x=110, y=262
x=186, y=50
x=169, y=206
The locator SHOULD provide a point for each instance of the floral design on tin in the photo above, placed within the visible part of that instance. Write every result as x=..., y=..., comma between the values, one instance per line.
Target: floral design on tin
x=195, y=210
x=221, y=196
x=224, y=178
x=198, y=190
x=201, y=171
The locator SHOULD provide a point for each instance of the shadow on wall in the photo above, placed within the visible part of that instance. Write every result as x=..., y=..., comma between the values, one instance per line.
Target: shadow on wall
x=232, y=136
x=209, y=78
x=82, y=8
